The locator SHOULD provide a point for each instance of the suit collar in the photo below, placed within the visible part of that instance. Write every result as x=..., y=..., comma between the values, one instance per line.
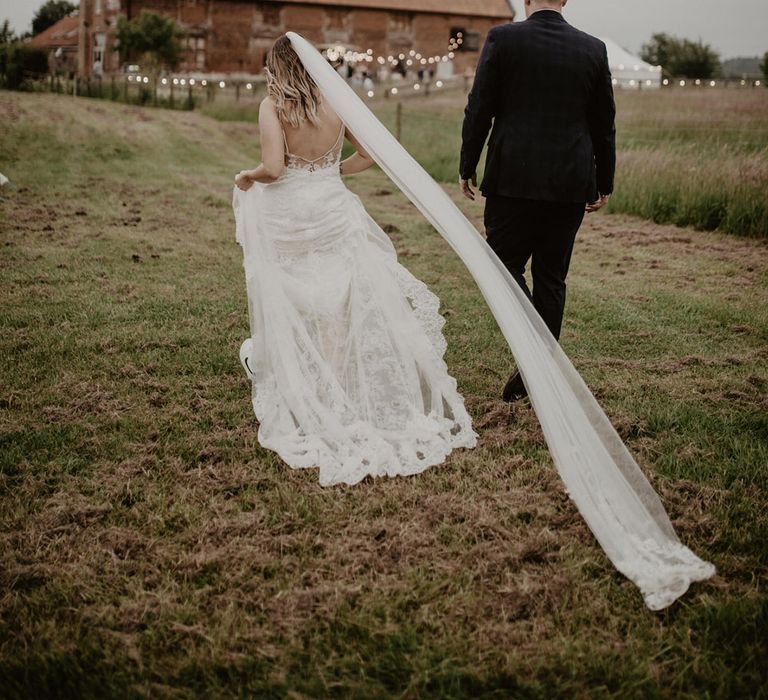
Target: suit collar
x=546, y=16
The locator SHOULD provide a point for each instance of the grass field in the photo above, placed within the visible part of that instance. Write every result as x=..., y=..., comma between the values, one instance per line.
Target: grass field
x=150, y=548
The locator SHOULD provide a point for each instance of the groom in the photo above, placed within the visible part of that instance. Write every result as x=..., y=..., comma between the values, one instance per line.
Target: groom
x=552, y=153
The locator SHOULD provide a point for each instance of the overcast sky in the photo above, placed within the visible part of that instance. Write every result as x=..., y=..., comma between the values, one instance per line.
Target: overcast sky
x=732, y=27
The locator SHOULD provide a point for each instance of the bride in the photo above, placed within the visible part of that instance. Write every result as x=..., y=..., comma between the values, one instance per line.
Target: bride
x=346, y=352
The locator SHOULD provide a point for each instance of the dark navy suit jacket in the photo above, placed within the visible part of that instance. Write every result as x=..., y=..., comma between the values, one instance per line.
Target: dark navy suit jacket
x=546, y=87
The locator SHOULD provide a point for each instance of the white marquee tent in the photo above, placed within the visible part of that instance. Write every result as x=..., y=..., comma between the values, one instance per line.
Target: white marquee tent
x=631, y=71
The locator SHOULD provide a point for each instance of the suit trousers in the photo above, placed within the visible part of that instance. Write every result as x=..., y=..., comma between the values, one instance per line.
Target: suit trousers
x=542, y=232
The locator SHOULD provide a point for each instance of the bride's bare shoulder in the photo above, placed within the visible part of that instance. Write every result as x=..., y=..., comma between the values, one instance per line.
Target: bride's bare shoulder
x=268, y=104
x=268, y=113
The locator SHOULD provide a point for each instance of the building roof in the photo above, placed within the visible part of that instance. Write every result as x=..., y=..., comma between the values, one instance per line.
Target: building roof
x=501, y=9
x=64, y=33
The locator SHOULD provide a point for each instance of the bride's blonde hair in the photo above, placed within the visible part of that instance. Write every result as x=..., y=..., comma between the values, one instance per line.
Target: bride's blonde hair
x=294, y=92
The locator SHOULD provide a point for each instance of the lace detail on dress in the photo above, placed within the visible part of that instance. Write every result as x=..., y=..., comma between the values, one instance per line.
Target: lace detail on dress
x=329, y=159
x=346, y=347
x=425, y=305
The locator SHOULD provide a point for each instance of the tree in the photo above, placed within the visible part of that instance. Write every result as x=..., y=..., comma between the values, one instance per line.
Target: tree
x=19, y=64
x=681, y=57
x=50, y=13
x=153, y=38
x=764, y=68
x=7, y=35
x=697, y=60
x=658, y=50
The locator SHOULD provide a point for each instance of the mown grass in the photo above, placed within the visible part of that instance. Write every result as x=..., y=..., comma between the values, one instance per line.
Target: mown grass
x=150, y=548
x=694, y=157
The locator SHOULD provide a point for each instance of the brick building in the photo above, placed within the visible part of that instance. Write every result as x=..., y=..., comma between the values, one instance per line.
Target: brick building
x=233, y=36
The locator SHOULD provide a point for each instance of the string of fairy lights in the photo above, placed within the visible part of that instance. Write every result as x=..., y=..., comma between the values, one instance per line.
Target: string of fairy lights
x=415, y=59
x=711, y=83
x=192, y=82
x=412, y=59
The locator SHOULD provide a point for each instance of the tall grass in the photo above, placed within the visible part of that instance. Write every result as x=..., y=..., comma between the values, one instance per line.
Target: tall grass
x=719, y=192
x=695, y=158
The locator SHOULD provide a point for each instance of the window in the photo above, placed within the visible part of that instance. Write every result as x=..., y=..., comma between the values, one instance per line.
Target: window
x=401, y=22
x=195, y=48
x=270, y=15
x=97, y=7
x=336, y=19
x=99, y=45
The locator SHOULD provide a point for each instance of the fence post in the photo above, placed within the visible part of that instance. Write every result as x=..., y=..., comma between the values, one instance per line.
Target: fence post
x=237, y=92
x=154, y=91
x=399, y=121
x=170, y=99
x=190, y=99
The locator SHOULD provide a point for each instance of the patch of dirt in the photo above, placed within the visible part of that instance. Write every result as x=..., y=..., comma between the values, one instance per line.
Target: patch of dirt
x=10, y=109
x=124, y=543
x=82, y=399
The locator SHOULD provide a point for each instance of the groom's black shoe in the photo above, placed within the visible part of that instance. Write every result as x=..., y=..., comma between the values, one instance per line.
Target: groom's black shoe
x=515, y=389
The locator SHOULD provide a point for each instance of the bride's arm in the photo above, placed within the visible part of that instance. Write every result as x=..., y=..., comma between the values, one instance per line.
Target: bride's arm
x=271, y=133
x=272, y=149
x=245, y=178
x=358, y=161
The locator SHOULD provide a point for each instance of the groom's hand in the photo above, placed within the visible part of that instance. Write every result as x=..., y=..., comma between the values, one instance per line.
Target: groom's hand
x=466, y=190
x=602, y=200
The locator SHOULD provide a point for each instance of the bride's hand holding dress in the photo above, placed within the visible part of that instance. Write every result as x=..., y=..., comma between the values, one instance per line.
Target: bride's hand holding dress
x=245, y=179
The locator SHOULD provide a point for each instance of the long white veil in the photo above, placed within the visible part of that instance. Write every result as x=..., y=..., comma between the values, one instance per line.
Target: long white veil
x=609, y=489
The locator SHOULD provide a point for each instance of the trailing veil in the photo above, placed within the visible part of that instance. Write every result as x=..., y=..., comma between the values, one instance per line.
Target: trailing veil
x=601, y=477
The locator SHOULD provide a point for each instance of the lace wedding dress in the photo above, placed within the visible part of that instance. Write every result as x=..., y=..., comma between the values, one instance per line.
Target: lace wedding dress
x=346, y=347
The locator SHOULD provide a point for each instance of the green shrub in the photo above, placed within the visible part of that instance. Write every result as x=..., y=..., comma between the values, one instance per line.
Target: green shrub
x=19, y=64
